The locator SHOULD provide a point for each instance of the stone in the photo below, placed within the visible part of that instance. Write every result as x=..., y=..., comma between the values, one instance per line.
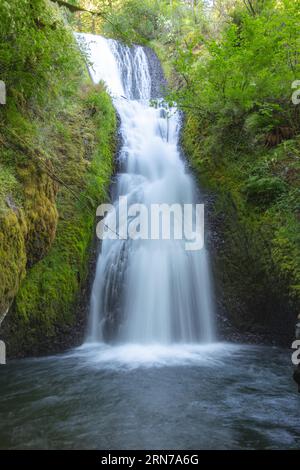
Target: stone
x=296, y=377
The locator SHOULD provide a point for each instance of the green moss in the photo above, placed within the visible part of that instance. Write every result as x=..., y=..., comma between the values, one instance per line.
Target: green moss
x=45, y=303
x=57, y=144
x=257, y=265
x=8, y=185
x=12, y=257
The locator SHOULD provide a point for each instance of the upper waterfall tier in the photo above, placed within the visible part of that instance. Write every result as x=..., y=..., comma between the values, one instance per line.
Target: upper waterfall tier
x=132, y=72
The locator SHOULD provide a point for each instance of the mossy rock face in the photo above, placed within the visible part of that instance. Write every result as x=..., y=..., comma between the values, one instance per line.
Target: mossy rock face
x=57, y=139
x=27, y=228
x=255, y=291
x=59, y=227
x=12, y=256
x=255, y=246
x=28, y=218
x=40, y=209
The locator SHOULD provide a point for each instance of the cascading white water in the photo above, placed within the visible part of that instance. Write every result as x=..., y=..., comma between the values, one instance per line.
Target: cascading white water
x=146, y=291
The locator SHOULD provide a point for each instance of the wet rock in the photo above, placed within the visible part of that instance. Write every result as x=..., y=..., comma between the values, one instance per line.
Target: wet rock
x=297, y=329
x=158, y=81
x=296, y=377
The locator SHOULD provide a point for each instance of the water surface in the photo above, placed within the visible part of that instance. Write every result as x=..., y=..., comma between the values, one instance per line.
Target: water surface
x=218, y=396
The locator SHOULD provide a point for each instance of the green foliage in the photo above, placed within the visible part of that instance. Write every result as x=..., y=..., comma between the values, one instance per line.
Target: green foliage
x=263, y=190
x=250, y=69
x=134, y=21
x=242, y=135
x=286, y=254
x=57, y=143
x=256, y=211
x=37, y=51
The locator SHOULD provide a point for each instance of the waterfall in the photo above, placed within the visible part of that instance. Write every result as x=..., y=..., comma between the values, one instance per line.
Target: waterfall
x=146, y=291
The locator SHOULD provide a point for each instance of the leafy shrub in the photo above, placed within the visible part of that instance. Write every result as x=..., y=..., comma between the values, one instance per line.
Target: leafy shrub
x=263, y=191
x=37, y=51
